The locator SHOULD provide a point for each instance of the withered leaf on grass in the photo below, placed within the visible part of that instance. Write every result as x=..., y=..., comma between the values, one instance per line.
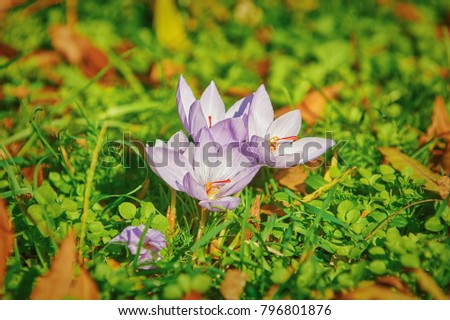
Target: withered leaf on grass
x=255, y=217
x=56, y=283
x=293, y=178
x=400, y=160
x=6, y=238
x=84, y=288
x=439, y=128
x=233, y=284
x=375, y=292
x=80, y=51
x=407, y=12
x=313, y=105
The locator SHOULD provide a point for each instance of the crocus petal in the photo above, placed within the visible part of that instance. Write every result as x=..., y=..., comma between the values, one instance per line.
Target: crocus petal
x=239, y=108
x=129, y=236
x=147, y=259
x=193, y=188
x=154, y=240
x=212, y=105
x=196, y=118
x=302, y=151
x=229, y=130
x=178, y=142
x=239, y=181
x=185, y=98
x=287, y=125
x=260, y=114
x=221, y=204
x=170, y=165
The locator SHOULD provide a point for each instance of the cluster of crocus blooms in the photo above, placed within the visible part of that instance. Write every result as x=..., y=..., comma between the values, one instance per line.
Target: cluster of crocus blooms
x=226, y=149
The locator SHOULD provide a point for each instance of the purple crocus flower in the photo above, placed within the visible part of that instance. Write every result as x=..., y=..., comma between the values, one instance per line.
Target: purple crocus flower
x=206, y=171
x=275, y=141
x=152, y=244
x=209, y=112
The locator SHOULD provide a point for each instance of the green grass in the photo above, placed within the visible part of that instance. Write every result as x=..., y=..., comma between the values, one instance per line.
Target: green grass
x=375, y=221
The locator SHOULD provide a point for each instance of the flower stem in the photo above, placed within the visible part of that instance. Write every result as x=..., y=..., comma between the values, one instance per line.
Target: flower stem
x=201, y=226
x=172, y=211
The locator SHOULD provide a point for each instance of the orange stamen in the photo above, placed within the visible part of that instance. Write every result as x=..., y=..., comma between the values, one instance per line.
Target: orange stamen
x=274, y=141
x=212, y=188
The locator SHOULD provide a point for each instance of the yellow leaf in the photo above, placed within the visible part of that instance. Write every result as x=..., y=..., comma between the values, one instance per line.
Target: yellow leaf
x=56, y=283
x=233, y=284
x=169, y=25
x=400, y=160
x=84, y=288
x=6, y=238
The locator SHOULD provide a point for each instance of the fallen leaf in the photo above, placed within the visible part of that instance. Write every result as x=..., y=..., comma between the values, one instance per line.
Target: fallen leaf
x=57, y=282
x=407, y=12
x=272, y=209
x=5, y=5
x=238, y=92
x=233, y=284
x=427, y=284
x=165, y=70
x=80, y=51
x=6, y=238
x=293, y=178
x=443, y=185
x=375, y=291
x=28, y=173
x=396, y=282
x=39, y=5
x=400, y=160
x=84, y=288
x=193, y=295
x=255, y=217
x=439, y=128
x=169, y=25
x=7, y=51
x=313, y=105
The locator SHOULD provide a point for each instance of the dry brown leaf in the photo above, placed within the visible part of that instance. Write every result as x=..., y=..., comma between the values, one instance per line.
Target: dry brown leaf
x=427, y=283
x=272, y=209
x=80, y=51
x=28, y=173
x=375, y=292
x=293, y=178
x=166, y=69
x=193, y=295
x=400, y=160
x=439, y=128
x=407, y=12
x=396, y=282
x=5, y=5
x=313, y=105
x=255, y=217
x=233, y=284
x=6, y=238
x=84, y=288
x=56, y=283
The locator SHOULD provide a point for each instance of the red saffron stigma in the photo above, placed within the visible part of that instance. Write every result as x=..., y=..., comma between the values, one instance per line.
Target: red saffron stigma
x=210, y=121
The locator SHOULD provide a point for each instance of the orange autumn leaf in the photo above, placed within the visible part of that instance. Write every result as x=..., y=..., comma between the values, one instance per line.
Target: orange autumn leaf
x=272, y=209
x=255, y=217
x=440, y=128
x=407, y=12
x=80, y=51
x=56, y=284
x=375, y=292
x=6, y=238
x=293, y=178
x=314, y=103
x=84, y=287
x=400, y=160
x=166, y=69
x=233, y=284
